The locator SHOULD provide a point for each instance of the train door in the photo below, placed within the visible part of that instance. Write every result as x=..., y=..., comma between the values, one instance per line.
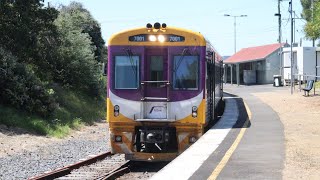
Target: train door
x=155, y=84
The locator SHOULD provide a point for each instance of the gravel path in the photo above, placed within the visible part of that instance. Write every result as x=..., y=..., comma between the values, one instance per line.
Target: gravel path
x=24, y=155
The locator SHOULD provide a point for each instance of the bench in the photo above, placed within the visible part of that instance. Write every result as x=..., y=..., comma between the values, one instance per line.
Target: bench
x=309, y=87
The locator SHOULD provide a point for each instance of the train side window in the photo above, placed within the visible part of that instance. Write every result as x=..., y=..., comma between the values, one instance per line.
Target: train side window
x=126, y=73
x=186, y=72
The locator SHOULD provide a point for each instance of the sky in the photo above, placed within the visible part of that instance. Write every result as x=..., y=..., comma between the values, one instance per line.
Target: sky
x=260, y=27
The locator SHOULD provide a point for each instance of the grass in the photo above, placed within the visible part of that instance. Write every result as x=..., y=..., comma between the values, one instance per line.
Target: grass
x=75, y=110
x=317, y=85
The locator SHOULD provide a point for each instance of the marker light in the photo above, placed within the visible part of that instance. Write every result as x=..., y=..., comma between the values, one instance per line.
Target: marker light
x=194, y=108
x=192, y=139
x=194, y=111
x=152, y=38
x=149, y=26
x=161, y=38
x=156, y=25
x=116, y=110
x=118, y=138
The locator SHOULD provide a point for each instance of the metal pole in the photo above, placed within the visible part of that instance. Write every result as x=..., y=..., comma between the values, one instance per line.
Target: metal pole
x=231, y=74
x=316, y=65
x=235, y=29
x=291, y=52
x=294, y=28
x=235, y=34
x=280, y=40
x=238, y=73
x=299, y=75
x=279, y=20
x=312, y=6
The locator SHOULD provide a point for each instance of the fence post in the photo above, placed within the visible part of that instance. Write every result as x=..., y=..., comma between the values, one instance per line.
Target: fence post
x=314, y=86
x=299, y=79
x=294, y=82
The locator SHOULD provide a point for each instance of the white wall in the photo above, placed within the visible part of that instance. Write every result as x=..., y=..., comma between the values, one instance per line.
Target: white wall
x=304, y=61
x=318, y=61
x=309, y=61
x=287, y=61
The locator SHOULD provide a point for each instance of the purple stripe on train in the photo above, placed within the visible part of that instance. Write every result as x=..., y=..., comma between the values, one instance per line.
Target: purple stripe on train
x=137, y=94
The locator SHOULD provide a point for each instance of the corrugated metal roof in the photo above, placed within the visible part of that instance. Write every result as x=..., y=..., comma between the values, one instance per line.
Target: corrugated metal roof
x=252, y=53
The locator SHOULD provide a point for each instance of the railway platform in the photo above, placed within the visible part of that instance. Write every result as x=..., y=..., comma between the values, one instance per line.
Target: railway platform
x=246, y=143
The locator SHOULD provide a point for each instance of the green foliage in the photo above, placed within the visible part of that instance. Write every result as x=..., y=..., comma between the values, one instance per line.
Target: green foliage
x=75, y=104
x=22, y=22
x=312, y=28
x=83, y=20
x=77, y=65
x=317, y=85
x=75, y=109
x=50, y=66
x=307, y=9
x=19, y=87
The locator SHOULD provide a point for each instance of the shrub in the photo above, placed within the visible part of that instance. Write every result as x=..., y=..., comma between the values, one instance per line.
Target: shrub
x=20, y=88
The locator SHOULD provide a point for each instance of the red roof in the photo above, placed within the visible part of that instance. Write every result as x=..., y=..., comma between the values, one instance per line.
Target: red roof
x=252, y=53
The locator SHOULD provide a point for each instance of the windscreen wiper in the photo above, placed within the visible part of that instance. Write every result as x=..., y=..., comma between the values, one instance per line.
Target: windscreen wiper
x=129, y=55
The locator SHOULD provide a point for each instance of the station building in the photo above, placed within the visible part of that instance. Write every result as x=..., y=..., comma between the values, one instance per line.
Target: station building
x=253, y=65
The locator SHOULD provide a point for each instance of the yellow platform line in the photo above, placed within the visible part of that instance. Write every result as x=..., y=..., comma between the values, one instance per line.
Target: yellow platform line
x=233, y=147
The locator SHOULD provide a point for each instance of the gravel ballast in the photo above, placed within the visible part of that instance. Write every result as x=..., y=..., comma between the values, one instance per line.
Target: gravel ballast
x=50, y=154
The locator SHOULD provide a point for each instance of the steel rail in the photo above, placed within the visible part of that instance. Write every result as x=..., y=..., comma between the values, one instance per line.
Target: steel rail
x=117, y=172
x=67, y=169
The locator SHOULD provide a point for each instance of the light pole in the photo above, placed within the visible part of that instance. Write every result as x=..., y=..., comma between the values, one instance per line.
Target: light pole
x=235, y=29
x=235, y=45
x=291, y=52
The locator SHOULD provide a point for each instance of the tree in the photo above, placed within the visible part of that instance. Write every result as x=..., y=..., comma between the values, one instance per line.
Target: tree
x=27, y=39
x=77, y=67
x=307, y=9
x=312, y=28
x=21, y=88
x=21, y=23
x=84, y=21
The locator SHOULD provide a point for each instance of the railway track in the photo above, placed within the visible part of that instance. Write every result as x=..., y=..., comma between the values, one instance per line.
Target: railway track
x=103, y=166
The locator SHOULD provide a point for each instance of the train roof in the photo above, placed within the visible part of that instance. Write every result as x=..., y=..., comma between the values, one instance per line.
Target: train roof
x=191, y=38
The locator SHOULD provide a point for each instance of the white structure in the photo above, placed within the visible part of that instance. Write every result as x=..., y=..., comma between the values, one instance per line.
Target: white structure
x=306, y=61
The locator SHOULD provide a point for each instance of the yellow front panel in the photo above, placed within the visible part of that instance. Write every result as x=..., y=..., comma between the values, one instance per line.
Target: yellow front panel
x=191, y=38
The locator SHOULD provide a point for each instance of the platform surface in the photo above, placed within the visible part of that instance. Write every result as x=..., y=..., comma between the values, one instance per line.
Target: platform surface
x=246, y=143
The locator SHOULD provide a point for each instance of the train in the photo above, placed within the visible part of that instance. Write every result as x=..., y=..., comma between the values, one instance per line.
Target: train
x=164, y=88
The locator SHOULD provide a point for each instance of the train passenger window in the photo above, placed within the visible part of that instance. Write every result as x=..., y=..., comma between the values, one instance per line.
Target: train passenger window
x=186, y=72
x=126, y=72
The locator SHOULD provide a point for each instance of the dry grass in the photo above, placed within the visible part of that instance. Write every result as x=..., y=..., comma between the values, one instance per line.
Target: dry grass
x=300, y=116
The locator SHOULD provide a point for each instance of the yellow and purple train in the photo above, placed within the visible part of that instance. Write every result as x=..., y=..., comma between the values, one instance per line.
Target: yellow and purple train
x=164, y=86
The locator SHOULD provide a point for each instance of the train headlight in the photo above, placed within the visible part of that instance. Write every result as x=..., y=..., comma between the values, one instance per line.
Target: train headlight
x=152, y=38
x=194, y=114
x=161, y=38
x=116, y=110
